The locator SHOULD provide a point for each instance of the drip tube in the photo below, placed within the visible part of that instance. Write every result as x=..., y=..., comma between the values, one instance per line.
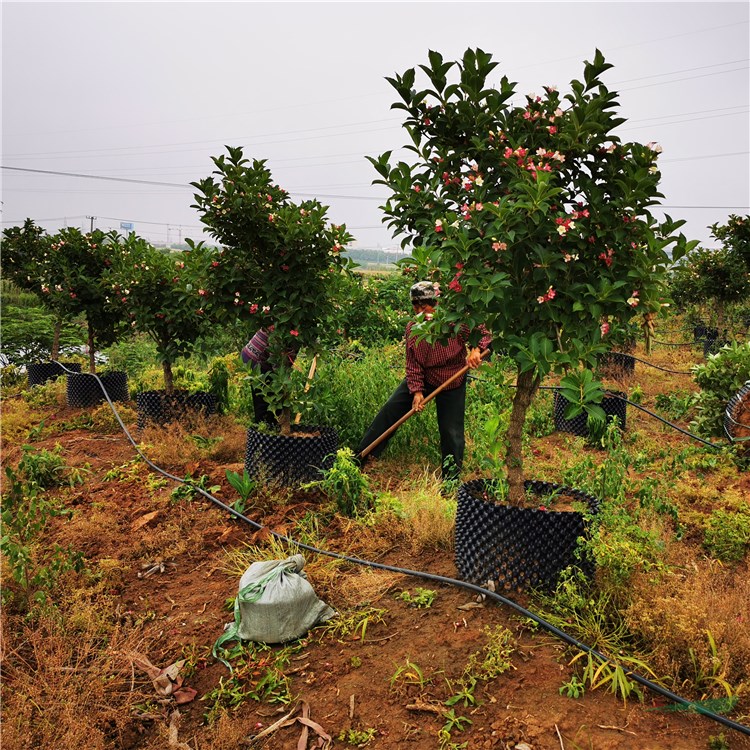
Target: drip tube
x=561, y=634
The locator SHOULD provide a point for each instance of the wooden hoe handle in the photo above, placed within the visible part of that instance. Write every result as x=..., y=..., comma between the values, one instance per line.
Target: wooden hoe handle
x=375, y=443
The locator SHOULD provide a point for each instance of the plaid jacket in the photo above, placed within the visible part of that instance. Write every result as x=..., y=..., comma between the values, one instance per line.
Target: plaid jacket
x=432, y=364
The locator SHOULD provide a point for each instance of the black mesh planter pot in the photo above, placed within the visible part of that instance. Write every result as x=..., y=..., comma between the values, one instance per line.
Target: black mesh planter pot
x=291, y=459
x=83, y=389
x=701, y=332
x=712, y=345
x=737, y=418
x=613, y=406
x=518, y=548
x=160, y=407
x=40, y=373
x=617, y=363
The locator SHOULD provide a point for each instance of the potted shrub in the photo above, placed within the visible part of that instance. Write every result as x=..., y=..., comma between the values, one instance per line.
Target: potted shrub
x=535, y=221
x=76, y=284
x=161, y=293
x=28, y=263
x=275, y=270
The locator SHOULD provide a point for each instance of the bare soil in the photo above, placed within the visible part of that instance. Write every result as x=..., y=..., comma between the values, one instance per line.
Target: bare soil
x=346, y=683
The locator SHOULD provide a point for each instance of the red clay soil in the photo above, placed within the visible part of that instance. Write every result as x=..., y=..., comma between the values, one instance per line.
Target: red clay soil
x=346, y=684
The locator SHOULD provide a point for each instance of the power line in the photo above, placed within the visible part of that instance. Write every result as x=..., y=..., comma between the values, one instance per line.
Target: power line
x=688, y=78
x=683, y=70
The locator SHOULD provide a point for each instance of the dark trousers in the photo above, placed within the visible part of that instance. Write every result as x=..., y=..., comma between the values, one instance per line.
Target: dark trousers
x=450, y=415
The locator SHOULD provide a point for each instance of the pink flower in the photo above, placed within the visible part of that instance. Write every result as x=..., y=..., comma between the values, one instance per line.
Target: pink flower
x=417, y=189
x=604, y=328
x=294, y=332
x=547, y=296
x=215, y=264
x=633, y=300
x=552, y=129
x=202, y=292
x=284, y=267
x=253, y=308
x=459, y=265
x=499, y=246
x=438, y=225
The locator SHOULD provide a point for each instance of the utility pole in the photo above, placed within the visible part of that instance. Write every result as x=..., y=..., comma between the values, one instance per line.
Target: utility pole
x=92, y=222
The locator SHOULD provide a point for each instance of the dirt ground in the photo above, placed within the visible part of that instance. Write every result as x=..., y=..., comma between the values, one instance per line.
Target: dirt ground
x=345, y=683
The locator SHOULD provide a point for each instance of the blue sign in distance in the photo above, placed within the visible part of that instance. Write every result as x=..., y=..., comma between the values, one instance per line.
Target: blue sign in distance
x=127, y=225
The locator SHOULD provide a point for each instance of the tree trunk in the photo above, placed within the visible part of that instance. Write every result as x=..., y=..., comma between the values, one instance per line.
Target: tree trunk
x=285, y=421
x=166, y=367
x=92, y=351
x=56, y=340
x=527, y=384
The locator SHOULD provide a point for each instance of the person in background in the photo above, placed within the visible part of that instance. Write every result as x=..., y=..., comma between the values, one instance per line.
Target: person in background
x=427, y=367
x=255, y=353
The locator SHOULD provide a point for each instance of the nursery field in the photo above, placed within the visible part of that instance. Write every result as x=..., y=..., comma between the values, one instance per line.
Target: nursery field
x=112, y=569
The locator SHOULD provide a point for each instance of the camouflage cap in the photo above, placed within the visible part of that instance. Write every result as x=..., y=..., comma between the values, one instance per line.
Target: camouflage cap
x=423, y=291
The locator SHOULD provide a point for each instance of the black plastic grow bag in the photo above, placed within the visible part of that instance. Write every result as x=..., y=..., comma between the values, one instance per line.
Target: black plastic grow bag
x=83, y=389
x=291, y=459
x=39, y=373
x=518, y=548
x=160, y=407
x=612, y=404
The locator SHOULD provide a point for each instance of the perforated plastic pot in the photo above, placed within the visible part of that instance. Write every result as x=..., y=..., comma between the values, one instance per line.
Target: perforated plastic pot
x=291, y=459
x=613, y=407
x=39, y=373
x=737, y=417
x=159, y=407
x=518, y=548
x=701, y=332
x=83, y=389
x=712, y=345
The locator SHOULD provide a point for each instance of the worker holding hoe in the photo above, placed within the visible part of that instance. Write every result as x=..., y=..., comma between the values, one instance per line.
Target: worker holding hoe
x=428, y=367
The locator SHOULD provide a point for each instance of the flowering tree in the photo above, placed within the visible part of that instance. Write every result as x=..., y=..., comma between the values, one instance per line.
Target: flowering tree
x=162, y=295
x=25, y=260
x=66, y=270
x=73, y=274
x=534, y=218
x=276, y=266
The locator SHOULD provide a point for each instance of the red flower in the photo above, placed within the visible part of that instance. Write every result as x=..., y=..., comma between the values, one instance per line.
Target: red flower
x=284, y=267
x=294, y=332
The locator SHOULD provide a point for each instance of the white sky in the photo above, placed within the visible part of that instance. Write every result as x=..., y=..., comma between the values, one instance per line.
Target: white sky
x=150, y=91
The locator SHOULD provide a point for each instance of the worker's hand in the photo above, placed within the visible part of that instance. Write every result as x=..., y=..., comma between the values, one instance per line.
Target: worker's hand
x=474, y=358
x=418, y=401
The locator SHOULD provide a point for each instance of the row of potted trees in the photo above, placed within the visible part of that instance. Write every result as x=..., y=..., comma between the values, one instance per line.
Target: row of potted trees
x=533, y=218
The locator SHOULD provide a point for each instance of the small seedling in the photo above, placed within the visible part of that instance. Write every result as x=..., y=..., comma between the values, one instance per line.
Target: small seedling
x=245, y=486
x=357, y=737
x=574, y=688
x=422, y=599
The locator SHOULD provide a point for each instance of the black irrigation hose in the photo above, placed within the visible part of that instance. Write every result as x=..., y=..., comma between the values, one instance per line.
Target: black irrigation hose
x=562, y=635
x=670, y=343
x=656, y=367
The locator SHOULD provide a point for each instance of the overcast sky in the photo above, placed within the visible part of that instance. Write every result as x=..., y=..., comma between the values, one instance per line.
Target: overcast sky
x=148, y=92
